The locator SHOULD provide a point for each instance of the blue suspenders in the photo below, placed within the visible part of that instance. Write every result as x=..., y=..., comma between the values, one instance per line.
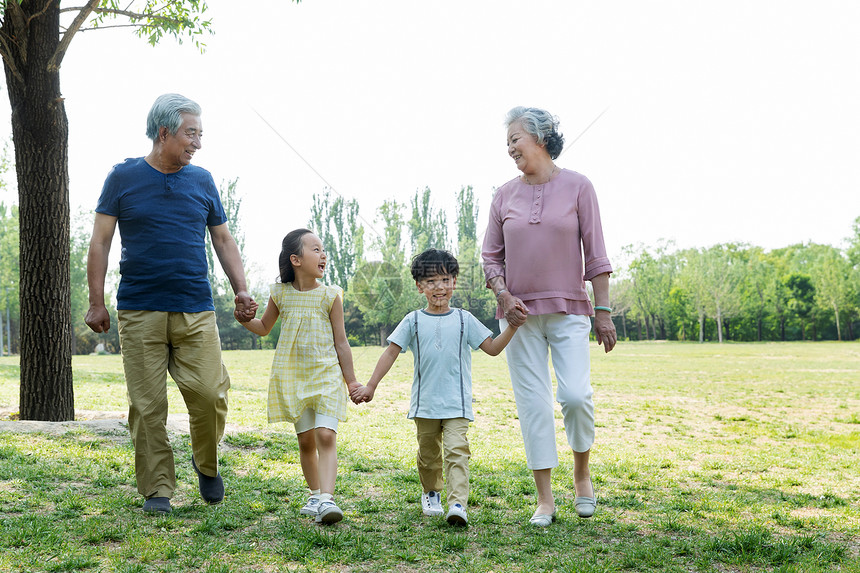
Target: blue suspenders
x=459, y=358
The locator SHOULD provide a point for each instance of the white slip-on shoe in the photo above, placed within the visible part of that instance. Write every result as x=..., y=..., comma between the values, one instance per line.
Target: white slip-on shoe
x=457, y=515
x=431, y=503
x=328, y=513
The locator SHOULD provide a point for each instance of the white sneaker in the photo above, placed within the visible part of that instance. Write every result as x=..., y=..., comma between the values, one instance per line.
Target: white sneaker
x=328, y=513
x=431, y=503
x=312, y=507
x=457, y=515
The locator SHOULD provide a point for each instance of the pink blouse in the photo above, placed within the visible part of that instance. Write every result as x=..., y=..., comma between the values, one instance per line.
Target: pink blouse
x=536, y=239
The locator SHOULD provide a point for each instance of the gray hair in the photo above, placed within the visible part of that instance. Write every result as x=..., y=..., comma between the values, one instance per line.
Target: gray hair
x=541, y=124
x=167, y=112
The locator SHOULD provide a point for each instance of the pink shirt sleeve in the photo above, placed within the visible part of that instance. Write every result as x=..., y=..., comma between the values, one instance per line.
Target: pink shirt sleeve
x=591, y=231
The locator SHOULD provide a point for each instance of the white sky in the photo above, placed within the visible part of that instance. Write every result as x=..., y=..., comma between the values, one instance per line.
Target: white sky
x=727, y=121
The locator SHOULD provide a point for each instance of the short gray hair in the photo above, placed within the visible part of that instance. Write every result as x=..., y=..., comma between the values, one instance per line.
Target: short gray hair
x=541, y=124
x=167, y=112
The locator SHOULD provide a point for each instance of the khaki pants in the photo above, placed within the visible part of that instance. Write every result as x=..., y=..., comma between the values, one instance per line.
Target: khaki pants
x=186, y=345
x=450, y=435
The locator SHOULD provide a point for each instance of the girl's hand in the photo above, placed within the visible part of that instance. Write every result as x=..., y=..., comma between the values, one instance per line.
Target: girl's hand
x=355, y=389
x=246, y=307
x=362, y=394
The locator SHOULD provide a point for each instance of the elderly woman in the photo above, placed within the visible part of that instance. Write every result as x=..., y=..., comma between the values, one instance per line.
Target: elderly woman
x=543, y=241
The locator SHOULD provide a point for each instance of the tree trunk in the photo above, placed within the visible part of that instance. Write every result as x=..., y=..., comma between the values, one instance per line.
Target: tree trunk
x=838, y=328
x=40, y=134
x=759, y=327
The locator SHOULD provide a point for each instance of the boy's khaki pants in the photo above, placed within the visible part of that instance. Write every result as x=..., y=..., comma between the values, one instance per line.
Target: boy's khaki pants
x=188, y=347
x=450, y=435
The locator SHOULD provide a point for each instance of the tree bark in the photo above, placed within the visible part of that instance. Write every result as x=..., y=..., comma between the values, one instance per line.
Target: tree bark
x=838, y=327
x=40, y=133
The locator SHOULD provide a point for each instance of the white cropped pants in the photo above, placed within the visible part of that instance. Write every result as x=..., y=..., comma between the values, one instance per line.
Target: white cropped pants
x=566, y=337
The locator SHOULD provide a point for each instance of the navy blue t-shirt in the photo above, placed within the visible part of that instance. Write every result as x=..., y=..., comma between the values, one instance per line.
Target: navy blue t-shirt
x=162, y=220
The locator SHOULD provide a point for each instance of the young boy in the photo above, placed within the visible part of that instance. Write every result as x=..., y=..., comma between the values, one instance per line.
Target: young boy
x=441, y=339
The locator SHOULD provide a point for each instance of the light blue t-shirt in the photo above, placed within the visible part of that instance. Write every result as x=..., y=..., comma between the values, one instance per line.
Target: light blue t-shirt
x=442, y=355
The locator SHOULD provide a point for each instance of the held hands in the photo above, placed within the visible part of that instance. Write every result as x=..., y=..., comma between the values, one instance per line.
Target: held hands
x=359, y=393
x=515, y=310
x=604, y=330
x=246, y=307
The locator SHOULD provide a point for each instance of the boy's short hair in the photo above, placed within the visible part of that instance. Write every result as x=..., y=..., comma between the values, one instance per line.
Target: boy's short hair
x=434, y=262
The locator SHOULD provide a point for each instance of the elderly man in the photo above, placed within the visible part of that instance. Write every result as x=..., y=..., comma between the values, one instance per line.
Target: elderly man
x=163, y=205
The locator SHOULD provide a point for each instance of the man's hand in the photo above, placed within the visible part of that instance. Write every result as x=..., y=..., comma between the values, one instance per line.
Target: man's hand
x=98, y=318
x=246, y=307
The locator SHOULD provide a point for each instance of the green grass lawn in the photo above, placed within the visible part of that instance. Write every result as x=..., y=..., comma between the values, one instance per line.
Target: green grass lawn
x=733, y=457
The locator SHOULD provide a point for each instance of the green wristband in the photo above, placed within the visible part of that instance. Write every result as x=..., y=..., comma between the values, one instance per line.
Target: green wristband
x=606, y=308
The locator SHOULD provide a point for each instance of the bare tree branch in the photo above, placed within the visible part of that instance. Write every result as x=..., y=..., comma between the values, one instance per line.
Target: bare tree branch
x=57, y=58
x=6, y=53
x=37, y=14
x=138, y=16
x=95, y=28
x=16, y=14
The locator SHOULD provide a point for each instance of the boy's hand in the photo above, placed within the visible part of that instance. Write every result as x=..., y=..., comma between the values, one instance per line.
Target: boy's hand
x=363, y=394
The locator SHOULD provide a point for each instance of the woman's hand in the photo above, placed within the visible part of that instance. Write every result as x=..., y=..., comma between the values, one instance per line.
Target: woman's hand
x=604, y=330
x=515, y=310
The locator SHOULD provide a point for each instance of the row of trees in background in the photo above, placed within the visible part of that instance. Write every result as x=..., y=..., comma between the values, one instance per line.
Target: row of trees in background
x=740, y=292
x=723, y=292
x=372, y=260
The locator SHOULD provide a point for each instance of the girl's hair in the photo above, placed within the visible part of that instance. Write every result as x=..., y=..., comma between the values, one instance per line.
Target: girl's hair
x=541, y=124
x=167, y=112
x=291, y=245
x=434, y=262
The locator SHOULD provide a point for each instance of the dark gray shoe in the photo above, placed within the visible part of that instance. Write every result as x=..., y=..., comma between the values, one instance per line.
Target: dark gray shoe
x=157, y=505
x=211, y=488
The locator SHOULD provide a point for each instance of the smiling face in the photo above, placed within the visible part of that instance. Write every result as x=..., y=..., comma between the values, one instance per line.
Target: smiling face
x=178, y=149
x=438, y=289
x=312, y=261
x=524, y=149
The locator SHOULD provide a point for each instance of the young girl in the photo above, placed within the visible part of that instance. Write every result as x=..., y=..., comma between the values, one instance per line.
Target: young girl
x=312, y=362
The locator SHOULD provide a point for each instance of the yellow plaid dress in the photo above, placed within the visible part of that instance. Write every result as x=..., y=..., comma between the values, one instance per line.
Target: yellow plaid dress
x=305, y=371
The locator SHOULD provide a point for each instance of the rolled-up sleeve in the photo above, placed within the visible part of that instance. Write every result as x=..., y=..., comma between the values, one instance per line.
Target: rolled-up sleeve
x=591, y=231
x=493, y=250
